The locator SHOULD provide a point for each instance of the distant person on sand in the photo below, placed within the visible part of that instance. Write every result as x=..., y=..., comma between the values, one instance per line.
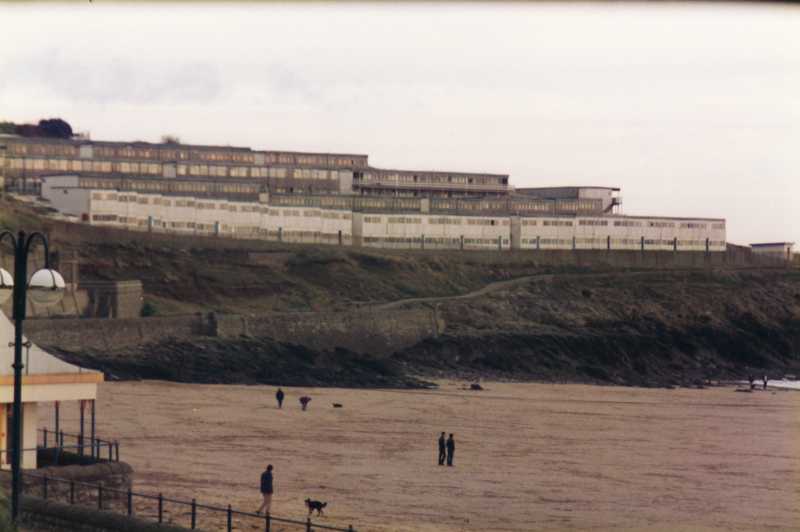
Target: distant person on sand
x=765, y=382
x=451, y=449
x=304, y=401
x=266, y=490
x=752, y=382
x=441, y=449
x=279, y=397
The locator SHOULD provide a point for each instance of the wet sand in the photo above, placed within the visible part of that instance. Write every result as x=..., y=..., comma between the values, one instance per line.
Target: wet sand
x=528, y=456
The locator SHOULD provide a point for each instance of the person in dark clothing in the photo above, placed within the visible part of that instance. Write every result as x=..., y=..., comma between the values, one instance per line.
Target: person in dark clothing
x=304, y=402
x=279, y=397
x=751, y=380
x=266, y=490
x=765, y=382
x=451, y=449
x=441, y=449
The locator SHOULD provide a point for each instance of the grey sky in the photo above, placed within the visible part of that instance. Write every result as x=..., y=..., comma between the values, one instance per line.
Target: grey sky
x=694, y=110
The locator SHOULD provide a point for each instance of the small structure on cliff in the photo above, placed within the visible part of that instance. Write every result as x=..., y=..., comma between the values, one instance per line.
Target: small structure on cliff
x=46, y=379
x=777, y=250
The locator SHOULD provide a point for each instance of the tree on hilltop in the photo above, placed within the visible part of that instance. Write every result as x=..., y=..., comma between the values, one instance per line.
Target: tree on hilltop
x=56, y=128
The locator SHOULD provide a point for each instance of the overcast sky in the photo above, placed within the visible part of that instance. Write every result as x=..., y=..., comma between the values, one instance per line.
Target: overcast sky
x=693, y=110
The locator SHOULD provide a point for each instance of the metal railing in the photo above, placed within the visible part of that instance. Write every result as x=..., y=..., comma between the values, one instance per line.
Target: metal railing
x=97, y=448
x=142, y=505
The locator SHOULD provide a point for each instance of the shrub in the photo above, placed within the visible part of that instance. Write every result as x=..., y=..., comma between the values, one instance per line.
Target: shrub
x=148, y=309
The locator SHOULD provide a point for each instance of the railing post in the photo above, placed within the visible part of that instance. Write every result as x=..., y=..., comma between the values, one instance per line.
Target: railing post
x=72, y=492
x=97, y=453
x=308, y=524
x=116, y=450
x=160, y=507
x=350, y=528
x=194, y=513
x=44, y=485
x=61, y=444
x=110, y=452
x=80, y=436
x=45, y=437
x=130, y=502
x=267, y=523
x=230, y=519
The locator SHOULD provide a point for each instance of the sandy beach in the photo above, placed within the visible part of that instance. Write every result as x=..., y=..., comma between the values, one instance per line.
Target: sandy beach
x=528, y=456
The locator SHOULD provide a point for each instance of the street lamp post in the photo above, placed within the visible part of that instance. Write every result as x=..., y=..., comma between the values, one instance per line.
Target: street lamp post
x=46, y=287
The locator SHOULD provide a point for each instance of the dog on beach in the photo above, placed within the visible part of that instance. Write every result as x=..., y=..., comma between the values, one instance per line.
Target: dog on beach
x=315, y=505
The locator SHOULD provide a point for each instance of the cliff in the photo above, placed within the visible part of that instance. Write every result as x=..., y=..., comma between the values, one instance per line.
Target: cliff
x=343, y=316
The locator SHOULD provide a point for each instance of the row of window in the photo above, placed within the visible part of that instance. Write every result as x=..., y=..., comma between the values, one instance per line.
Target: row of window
x=174, y=153
x=157, y=169
x=411, y=178
x=374, y=219
x=433, y=240
x=603, y=242
x=403, y=220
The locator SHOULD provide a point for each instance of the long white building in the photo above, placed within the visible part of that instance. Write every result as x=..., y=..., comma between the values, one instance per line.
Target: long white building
x=406, y=223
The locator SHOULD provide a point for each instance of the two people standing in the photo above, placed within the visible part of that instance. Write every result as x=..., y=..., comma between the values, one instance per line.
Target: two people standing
x=447, y=449
x=279, y=395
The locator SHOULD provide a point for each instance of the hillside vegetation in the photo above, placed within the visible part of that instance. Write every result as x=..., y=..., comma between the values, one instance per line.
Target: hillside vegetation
x=506, y=315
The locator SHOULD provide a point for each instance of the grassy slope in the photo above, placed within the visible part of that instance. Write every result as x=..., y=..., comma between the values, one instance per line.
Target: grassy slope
x=631, y=327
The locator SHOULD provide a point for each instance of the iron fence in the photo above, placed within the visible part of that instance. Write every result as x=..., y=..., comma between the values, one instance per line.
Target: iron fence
x=96, y=448
x=164, y=509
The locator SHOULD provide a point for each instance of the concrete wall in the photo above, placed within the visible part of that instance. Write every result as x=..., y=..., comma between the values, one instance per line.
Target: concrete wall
x=39, y=515
x=112, y=299
x=364, y=331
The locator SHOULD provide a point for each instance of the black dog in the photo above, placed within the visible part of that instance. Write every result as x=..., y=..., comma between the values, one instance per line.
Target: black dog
x=315, y=505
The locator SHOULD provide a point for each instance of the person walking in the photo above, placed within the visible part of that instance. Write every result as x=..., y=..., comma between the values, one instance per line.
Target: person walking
x=266, y=490
x=451, y=449
x=304, y=402
x=279, y=397
x=441, y=449
x=765, y=382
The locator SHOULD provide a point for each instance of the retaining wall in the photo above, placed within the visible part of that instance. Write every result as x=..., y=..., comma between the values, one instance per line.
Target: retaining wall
x=362, y=330
x=41, y=515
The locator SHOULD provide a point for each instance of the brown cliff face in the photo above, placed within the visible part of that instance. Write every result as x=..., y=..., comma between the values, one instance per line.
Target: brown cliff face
x=653, y=328
x=510, y=315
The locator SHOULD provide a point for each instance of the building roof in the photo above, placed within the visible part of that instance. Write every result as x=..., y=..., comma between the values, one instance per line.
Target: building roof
x=436, y=172
x=37, y=361
x=167, y=145
x=568, y=187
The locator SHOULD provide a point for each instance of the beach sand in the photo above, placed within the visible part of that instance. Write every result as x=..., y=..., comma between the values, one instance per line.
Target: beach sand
x=528, y=456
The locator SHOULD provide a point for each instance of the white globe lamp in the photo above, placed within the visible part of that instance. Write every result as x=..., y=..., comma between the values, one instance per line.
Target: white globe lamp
x=46, y=287
x=6, y=285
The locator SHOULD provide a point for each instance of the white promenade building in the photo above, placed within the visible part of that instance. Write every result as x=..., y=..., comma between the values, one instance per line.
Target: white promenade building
x=520, y=222
x=45, y=379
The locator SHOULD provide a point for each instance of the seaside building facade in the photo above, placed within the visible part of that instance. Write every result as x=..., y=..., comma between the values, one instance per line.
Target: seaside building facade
x=511, y=222
x=333, y=198
x=24, y=160
x=46, y=380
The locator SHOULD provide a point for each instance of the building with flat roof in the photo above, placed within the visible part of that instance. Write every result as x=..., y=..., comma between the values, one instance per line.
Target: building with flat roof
x=46, y=379
x=609, y=196
x=777, y=250
x=509, y=222
x=24, y=160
